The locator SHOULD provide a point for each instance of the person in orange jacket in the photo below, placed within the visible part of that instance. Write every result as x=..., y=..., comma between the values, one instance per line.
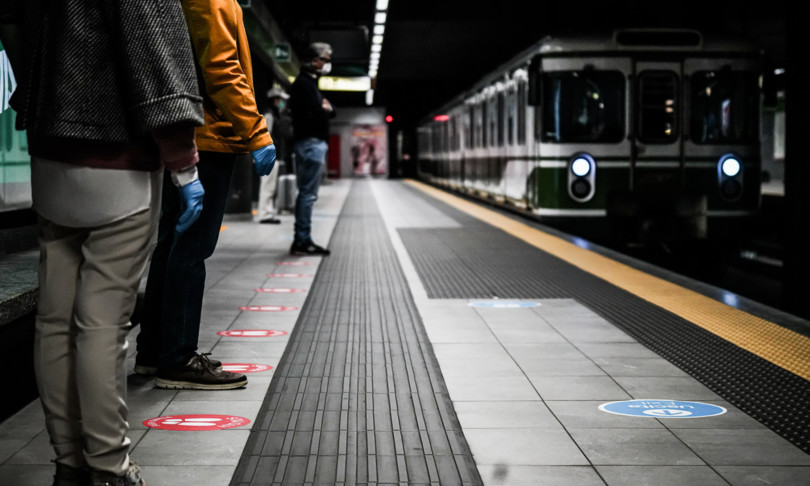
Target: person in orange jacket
x=172, y=306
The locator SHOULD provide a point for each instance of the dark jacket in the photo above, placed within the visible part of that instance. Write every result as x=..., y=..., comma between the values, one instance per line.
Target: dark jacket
x=117, y=72
x=309, y=117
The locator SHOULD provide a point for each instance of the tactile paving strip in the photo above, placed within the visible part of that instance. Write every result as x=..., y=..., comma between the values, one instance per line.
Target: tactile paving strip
x=478, y=261
x=358, y=397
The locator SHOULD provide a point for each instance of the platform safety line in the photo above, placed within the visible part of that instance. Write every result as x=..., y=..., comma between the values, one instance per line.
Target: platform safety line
x=770, y=341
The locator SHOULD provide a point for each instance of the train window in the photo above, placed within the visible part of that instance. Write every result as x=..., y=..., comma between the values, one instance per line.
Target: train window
x=521, y=114
x=468, y=124
x=724, y=107
x=583, y=106
x=657, y=120
x=510, y=119
x=501, y=110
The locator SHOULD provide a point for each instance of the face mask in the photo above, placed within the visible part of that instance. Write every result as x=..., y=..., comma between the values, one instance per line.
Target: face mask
x=327, y=68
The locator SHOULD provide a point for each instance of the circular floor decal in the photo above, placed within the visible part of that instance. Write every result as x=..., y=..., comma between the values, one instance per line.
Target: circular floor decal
x=655, y=408
x=245, y=367
x=252, y=333
x=196, y=422
x=267, y=308
x=503, y=304
x=295, y=264
x=288, y=275
x=280, y=290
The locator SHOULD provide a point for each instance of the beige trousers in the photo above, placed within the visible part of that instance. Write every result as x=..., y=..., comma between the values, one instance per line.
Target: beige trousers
x=88, y=282
x=267, y=194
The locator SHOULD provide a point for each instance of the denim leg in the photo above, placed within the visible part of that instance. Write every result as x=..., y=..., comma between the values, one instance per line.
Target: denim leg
x=310, y=160
x=176, y=282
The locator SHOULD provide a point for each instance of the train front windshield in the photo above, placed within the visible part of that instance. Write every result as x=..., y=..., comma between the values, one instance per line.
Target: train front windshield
x=583, y=106
x=724, y=107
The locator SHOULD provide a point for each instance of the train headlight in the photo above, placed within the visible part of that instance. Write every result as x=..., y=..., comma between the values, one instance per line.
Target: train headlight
x=581, y=177
x=730, y=167
x=730, y=177
x=580, y=167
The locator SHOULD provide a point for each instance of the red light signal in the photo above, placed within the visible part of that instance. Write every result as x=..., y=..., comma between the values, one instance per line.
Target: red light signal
x=441, y=118
x=389, y=118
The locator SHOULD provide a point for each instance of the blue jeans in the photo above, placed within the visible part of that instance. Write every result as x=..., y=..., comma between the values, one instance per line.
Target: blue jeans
x=310, y=159
x=172, y=305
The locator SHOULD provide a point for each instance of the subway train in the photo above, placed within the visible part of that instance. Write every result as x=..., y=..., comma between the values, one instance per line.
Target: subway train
x=643, y=135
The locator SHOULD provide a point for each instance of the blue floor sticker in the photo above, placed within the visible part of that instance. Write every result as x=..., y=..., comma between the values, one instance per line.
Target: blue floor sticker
x=503, y=304
x=654, y=408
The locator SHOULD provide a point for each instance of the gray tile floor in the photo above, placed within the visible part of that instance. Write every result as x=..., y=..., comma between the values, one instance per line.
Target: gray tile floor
x=526, y=382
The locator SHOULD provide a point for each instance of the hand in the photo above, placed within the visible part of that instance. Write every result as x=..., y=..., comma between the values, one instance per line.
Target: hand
x=326, y=105
x=191, y=196
x=265, y=159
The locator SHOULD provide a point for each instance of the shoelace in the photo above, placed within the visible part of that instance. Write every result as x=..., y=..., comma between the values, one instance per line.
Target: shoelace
x=206, y=362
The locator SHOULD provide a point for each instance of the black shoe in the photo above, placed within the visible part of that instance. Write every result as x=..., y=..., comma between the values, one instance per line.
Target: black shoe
x=70, y=476
x=270, y=221
x=198, y=373
x=308, y=248
x=147, y=370
x=130, y=478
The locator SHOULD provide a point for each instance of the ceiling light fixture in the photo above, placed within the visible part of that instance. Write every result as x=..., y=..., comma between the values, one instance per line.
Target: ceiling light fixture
x=380, y=16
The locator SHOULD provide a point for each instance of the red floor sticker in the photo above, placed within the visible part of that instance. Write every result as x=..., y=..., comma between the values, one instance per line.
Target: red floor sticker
x=288, y=275
x=252, y=333
x=245, y=367
x=280, y=290
x=268, y=308
x=196, y=422
x=295, y=264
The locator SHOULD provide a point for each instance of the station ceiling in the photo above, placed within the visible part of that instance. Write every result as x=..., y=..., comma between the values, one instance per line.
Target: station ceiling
x=434, y=49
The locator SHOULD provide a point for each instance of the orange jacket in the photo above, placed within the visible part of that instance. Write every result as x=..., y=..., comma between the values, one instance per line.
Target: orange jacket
x=232, y=120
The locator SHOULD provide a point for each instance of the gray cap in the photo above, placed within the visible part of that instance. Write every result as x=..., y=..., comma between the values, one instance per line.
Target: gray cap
x=277, y=93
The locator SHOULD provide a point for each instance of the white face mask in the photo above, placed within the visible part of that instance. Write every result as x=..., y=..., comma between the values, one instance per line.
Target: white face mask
x=327, y=68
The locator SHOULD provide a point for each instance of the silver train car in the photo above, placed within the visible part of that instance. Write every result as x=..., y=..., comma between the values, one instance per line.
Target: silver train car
x=642, y=135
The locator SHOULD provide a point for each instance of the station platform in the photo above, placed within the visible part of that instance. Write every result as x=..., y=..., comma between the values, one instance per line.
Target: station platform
x=448, y=343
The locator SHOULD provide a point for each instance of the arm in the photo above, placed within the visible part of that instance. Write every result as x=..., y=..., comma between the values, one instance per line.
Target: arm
x=154, y=62
x=214, y=30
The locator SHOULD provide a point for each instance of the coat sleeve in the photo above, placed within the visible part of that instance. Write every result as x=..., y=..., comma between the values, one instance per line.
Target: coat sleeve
x=214, y=30
x=154, y=59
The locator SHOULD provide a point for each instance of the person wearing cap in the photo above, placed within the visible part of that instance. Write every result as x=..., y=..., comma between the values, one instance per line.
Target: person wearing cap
x=278, y=120
x=311, y=113
x=234, y=128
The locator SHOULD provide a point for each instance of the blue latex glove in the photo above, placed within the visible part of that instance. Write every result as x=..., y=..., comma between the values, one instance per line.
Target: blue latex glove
x=265, y=159
x=191, y=196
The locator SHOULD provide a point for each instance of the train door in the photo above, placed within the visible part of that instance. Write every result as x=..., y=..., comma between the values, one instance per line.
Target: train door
x=657, y=154
x=667, y=208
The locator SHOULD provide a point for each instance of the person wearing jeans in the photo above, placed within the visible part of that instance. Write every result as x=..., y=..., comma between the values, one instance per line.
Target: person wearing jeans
x=311, y=113
x=310, y=156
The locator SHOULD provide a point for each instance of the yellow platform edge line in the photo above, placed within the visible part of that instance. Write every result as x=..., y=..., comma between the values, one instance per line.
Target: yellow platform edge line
x=772, y=342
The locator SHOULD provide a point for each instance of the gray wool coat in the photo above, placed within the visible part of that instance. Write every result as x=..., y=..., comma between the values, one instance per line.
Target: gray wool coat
x=108, y=70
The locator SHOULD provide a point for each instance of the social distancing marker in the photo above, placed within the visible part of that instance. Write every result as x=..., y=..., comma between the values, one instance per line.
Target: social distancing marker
x=196, y=422
x=268, y=308
x=295, y=264
x=252, y=333
x=503, y=304
x=279, y=290
x=662, y=408
x=288, y=275
x=245, y=367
